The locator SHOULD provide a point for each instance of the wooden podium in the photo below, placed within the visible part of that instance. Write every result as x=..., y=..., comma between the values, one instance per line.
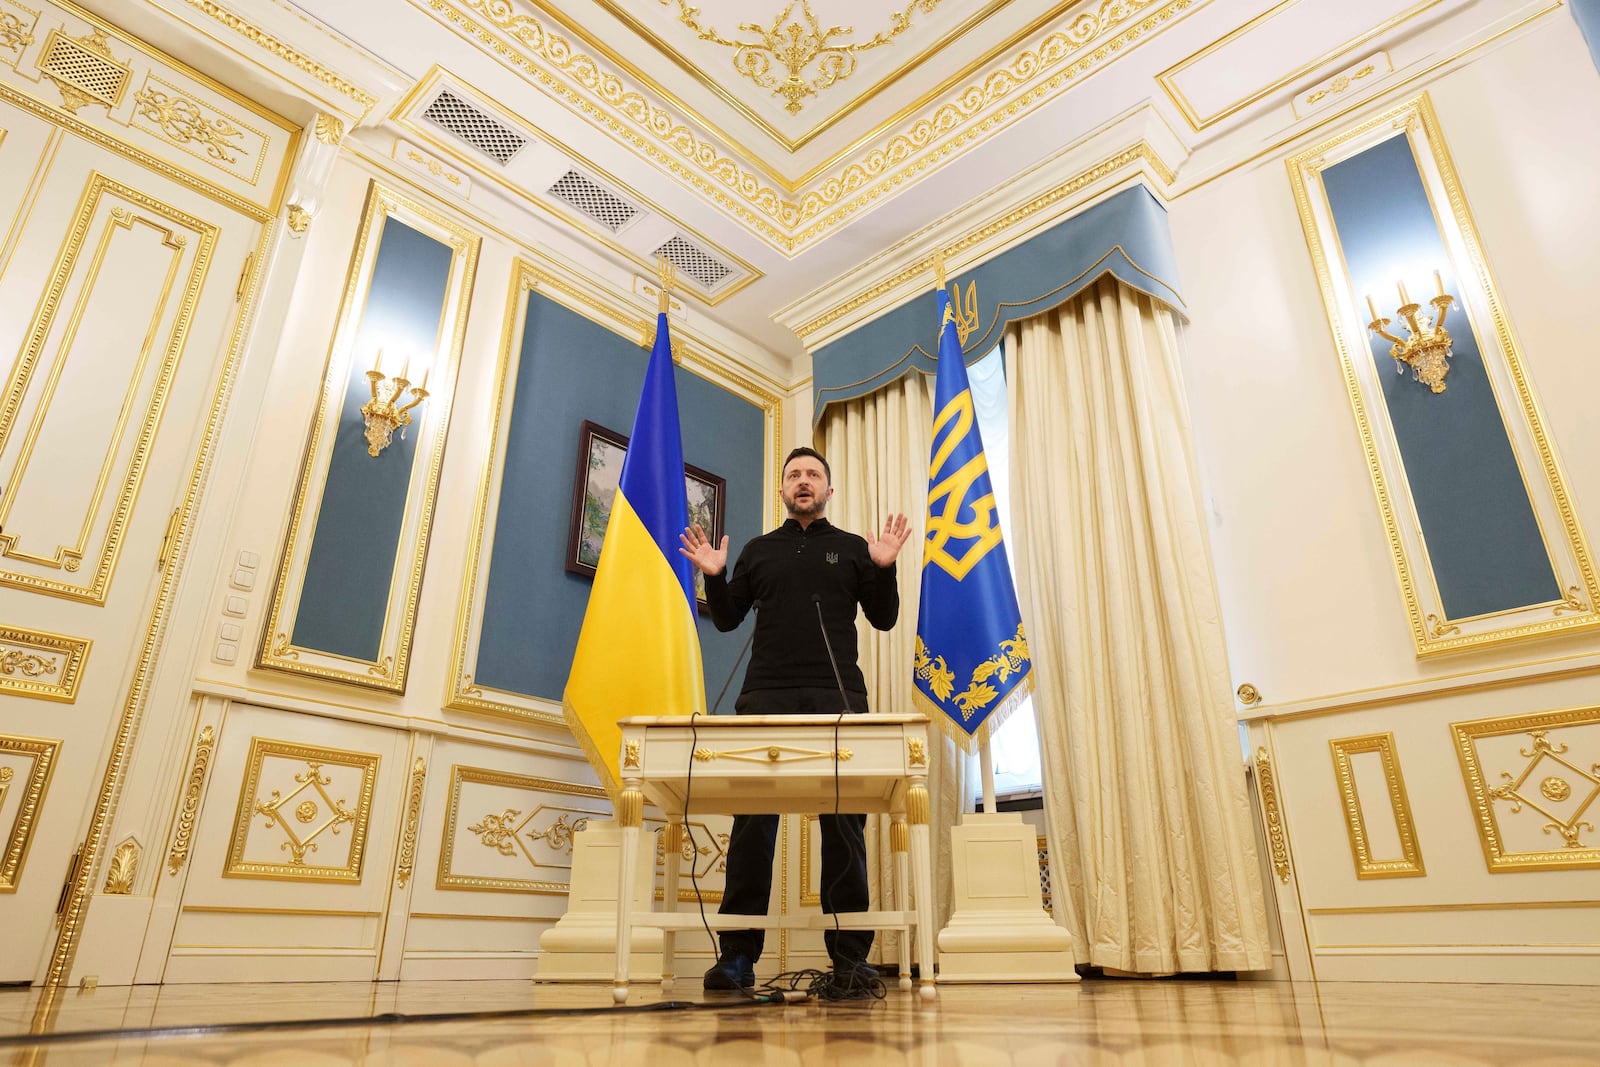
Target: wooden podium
x=777, y=764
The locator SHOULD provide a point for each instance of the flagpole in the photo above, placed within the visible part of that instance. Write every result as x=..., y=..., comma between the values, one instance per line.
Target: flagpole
x=985, y=758
x=987, y=763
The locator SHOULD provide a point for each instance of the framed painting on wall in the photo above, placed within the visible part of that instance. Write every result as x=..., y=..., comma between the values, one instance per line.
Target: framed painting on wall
x=594, y=487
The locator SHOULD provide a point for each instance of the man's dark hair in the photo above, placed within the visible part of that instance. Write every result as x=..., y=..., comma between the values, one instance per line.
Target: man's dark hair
x=804, y=451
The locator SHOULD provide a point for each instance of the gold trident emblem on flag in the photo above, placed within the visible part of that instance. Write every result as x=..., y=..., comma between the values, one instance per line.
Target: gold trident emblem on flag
x=945, y=524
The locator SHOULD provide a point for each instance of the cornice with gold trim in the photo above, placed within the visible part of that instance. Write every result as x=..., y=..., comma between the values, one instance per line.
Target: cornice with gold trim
x=267, y=42
x=770, y=208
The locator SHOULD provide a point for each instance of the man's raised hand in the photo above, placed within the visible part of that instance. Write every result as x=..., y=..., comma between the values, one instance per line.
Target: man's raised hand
x=883, y=550
x=707, y=557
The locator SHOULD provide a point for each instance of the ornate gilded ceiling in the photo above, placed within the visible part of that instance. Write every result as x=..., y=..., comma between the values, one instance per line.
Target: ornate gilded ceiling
x=805, y=141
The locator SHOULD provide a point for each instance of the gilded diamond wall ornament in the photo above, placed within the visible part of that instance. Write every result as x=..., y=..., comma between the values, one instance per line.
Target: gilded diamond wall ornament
x=1541, y=815
x=325, y=798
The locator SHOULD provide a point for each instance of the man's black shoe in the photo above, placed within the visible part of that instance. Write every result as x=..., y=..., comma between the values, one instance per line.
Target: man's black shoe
x=731, y=972
x=851, y=980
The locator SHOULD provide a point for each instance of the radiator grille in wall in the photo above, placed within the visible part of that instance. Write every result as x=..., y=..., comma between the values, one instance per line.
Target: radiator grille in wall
x=695, y=262
x=594, y=200
x=466, y=123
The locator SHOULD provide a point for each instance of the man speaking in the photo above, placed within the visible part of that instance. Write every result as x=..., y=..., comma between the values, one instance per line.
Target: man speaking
x=805, y=580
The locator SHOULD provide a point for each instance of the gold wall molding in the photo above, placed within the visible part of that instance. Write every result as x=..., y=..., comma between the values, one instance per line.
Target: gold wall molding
x=298, y=220
x=465, y=693
x=113, y=210
x=42, y=665
x=408, y=833
x=123, y=870
x=1277, y=839
x=201, y=129
x=265, y=41
x=302, y=810
x=1167, y=79
x=14, y=34
x=704, y=860
x=189, y=807
x=1432, y=631
x=26, y=765
x=1409, y=864
x=1529, y=788
x=389, y=668
x=791, y=215
x=502, y=832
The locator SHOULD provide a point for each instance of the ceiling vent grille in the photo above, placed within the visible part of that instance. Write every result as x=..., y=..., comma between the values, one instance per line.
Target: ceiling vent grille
x=696, y=262
x=466, y=123
x=595, y=201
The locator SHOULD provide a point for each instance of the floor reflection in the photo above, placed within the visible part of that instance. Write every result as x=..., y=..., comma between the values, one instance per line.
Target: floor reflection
x=1105, y=1021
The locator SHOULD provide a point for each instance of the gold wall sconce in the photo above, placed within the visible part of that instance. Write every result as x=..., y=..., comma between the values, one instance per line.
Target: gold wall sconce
x=1427, y=351
x=381, y=414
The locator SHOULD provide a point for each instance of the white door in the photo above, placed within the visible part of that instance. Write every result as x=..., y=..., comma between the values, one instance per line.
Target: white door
x=117, y=292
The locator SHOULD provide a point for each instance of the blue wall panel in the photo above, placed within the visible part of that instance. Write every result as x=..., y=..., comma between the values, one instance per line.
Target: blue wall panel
x=1483, y=541
x=572, y=369
x=352, y=558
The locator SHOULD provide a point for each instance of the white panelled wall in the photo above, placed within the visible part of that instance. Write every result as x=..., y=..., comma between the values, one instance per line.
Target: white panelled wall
x=1312, y=605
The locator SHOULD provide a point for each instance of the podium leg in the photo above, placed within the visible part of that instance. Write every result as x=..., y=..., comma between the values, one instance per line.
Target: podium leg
x=630, y=816
x=922, y=875
x=672, y=842
x=899, y=844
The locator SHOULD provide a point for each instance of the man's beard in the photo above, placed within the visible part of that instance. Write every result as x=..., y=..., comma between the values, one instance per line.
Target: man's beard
x=810, y=510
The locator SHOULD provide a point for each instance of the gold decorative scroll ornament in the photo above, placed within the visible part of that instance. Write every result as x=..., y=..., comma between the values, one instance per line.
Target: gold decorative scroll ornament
x=810, y=58
x=184, y=835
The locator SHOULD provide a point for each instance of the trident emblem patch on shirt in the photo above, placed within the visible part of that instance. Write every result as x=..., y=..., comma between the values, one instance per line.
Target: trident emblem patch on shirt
x=832, y=557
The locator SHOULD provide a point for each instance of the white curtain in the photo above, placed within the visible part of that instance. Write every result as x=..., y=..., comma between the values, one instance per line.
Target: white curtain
x=1153, y=858
x=878, y=448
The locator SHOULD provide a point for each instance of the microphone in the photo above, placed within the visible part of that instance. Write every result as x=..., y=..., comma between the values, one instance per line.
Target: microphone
x=755, y=606
x=816, y=598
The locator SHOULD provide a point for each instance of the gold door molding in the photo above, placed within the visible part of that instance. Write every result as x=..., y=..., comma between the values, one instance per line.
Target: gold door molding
x=1409, y=863
x=26, y=764
x=503, y=834
x=295, y=800
x=64, y=527
x=1534, y=781
x=46, y=666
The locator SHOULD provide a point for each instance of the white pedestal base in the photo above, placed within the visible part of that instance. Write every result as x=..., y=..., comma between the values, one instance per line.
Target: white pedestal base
x=998, y=929
x=582, y=945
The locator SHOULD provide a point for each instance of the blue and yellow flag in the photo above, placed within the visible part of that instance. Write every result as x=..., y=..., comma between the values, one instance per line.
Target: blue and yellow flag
x=972, y=666
x=639, y=650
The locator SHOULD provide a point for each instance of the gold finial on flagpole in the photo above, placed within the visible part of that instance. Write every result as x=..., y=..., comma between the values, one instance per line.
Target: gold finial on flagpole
x=665, y=274
x=938, y=266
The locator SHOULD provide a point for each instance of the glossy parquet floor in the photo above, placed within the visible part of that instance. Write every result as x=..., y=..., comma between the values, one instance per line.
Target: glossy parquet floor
x=1101, y=1021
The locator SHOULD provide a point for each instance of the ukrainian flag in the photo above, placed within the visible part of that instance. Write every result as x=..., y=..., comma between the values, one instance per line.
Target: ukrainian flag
x=639, y=650
x=971, y=662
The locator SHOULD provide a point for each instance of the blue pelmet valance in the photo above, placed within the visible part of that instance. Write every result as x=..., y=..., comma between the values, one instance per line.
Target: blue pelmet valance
x=1126, y=236
x=1587, y=12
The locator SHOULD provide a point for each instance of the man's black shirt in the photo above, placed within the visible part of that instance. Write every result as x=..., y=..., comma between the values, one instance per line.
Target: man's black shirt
x=783, y=570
